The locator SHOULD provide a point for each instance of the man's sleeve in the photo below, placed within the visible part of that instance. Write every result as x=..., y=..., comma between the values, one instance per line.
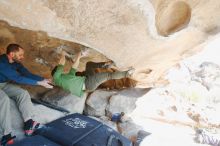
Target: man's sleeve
x=28, y=74
x=12, y=75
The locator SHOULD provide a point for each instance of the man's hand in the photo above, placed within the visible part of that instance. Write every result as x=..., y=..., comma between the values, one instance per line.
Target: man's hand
x=45, y=84
x=62, y=59
x=77, y=57
x=76, y=60
x=48, y=80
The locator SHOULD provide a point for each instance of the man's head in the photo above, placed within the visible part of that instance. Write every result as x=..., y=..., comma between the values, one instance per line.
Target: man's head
x=15, y=53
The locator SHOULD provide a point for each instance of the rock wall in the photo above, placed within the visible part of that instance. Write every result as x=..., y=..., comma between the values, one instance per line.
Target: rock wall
x=149, y=35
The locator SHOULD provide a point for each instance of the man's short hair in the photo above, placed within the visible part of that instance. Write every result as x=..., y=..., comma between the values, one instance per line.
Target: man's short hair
x=13, y=48
x=53, y=70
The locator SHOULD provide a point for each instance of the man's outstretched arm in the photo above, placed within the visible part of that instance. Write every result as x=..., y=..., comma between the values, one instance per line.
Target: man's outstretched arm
x=76, y=61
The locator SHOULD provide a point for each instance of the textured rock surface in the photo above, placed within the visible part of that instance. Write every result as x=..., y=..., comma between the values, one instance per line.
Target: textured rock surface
x=97, y=102
x=41, y=53
x=131, y=33
x=173, y=17
x=124, y=31
x=61, y=98
x=124, y=100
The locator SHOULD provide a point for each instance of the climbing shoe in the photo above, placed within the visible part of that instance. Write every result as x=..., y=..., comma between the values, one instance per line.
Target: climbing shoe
x=30, y=126
x=7, y=140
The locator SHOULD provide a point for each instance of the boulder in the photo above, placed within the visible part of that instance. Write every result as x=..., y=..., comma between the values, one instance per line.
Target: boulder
x=66, y=100
x=172, y=18
x=97, y=102
x=131, y=33
x=124, y=101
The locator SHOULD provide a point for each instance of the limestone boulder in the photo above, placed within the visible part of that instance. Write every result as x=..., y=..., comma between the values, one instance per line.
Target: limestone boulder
x=124, y=101
x=63, y=99
x=129, y=32
x=173, y=18
x=97, y=102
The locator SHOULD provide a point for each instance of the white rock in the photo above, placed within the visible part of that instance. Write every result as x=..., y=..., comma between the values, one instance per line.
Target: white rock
x=97, y=102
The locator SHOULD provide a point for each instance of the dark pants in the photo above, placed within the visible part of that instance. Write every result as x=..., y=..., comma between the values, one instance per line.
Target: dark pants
x=93, y=79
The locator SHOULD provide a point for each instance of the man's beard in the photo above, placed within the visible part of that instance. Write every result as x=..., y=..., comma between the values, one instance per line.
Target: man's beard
x=15, y=59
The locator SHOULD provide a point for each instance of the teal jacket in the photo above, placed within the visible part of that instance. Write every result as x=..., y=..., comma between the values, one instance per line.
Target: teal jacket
x=69, y=81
